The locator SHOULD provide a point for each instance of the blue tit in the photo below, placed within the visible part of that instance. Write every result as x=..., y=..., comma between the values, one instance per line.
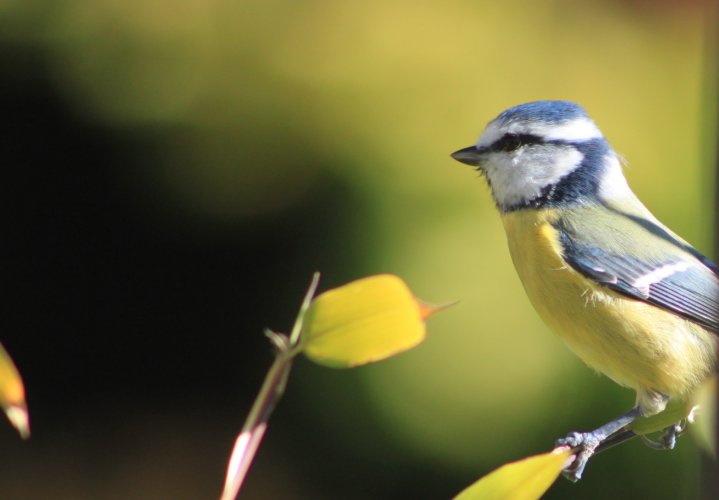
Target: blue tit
x=631, y=298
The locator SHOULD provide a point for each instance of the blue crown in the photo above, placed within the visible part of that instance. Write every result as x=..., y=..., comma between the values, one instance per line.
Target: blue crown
x=544, y=111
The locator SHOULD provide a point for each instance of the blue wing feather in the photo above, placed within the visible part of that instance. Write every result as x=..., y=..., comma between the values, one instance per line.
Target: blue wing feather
x=690, y=290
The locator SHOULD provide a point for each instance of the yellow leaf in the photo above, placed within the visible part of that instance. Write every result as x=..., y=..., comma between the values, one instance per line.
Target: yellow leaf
x=525, y=479
x=363, y=321
x=12, y=395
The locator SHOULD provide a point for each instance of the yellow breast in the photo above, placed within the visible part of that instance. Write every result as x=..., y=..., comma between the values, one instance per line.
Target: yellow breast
x=634, y=343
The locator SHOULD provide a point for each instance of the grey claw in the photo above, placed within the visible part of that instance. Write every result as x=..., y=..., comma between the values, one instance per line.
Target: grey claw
x=650, y=443
x=584, y=444
x=573, y=439
x=669, y=438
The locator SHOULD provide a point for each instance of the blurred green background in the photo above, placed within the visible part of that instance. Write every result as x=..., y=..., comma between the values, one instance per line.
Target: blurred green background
x=175, y=171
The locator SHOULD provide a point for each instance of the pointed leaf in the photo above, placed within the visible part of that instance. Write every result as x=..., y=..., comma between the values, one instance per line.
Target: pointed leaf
x=363, y=321
x=525, y=479
x=426, y=309
x=12, y=395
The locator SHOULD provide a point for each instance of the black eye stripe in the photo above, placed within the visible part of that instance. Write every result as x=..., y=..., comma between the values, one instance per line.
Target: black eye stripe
x=510, y=142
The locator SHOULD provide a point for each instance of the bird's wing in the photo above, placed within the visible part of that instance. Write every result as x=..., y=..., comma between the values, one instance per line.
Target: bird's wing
x=661, y=270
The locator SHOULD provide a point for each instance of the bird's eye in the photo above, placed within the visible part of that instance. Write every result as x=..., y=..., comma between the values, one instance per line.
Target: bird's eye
x=511, y=142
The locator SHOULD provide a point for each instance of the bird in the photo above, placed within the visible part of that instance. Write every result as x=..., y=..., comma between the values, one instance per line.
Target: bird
x=630, y=297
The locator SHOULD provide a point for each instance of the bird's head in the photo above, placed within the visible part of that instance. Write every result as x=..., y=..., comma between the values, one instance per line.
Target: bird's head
x=545, y=153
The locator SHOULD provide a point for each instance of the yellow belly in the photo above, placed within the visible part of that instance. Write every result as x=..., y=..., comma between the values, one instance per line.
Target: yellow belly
x=634, y=343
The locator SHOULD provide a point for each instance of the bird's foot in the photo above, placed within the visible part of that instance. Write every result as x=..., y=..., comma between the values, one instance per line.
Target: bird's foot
x=583, y=444
x=668, y=440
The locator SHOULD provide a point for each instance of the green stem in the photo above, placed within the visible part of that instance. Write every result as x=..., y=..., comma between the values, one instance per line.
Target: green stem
x=270, y=393
x=254, y=428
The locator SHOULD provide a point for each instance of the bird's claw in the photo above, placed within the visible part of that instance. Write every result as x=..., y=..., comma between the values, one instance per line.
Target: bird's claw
x=583, y=444
x=668, y=440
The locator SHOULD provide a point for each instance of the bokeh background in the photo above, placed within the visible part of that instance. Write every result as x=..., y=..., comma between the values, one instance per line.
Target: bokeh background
x=174, y=171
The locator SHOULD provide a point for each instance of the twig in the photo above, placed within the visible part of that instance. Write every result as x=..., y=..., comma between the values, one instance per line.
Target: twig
x=286, y=348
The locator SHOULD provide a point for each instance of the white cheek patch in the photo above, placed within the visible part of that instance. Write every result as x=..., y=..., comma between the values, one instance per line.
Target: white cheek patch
x=520, y=176
x=576, y=130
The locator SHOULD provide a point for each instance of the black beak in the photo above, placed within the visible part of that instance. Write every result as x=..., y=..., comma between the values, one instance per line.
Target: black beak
x=469, y=156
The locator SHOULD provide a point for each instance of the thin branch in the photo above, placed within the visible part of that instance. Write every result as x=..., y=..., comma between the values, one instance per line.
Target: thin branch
x=254, y=429
x=270, y=393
